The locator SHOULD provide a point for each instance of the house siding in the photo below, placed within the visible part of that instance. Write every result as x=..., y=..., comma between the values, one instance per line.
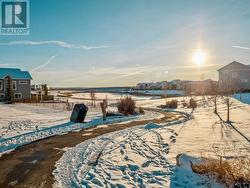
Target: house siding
x=236, y=79
x=24, y=89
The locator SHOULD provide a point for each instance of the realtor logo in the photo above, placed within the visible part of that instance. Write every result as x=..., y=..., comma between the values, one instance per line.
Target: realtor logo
x=14, y=18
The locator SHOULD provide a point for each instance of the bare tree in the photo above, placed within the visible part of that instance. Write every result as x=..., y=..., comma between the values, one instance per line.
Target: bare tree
x=104, y=105
x=227, y=90
x=215, y=93
x=92, y=97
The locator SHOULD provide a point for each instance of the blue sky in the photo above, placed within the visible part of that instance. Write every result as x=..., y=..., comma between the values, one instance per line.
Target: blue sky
x=118, y=43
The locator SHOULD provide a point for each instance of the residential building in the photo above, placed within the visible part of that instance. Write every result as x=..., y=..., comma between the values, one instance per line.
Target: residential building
x=21, y=81
x=174, y=85
x=234, y=76
x=152, y=85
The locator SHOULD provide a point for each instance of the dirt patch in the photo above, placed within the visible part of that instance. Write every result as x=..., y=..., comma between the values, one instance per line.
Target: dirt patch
x=32, y=165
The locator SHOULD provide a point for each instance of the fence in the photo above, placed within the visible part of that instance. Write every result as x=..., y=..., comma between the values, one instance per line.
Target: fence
x=63, y=104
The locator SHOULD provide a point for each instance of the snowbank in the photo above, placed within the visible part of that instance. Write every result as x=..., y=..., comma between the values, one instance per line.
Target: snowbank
x=146, y=156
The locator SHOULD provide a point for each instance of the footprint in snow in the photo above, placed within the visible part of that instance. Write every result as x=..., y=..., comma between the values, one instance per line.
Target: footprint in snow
x=146, y=164
x=173, y=140
x=122, y=151
x=172, y=137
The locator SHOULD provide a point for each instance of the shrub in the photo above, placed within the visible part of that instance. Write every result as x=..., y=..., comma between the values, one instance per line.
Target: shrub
x=170, y=104
x=126, y=106
x=141, y=110
x=192, y=103
x=234, y=171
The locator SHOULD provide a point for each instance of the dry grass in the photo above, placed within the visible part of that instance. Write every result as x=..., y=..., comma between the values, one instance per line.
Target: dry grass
x=126, y=106
x=192, y=103
x=141, y=110
x=228, y=172
x=170, y=104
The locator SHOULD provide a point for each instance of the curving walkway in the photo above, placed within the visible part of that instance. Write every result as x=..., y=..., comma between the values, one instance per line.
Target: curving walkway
x=32, y=165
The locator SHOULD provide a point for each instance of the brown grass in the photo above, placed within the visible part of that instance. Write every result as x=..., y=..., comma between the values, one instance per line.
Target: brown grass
x=170, y=104
x=228, y=172
x=141, y=110
x=126, y=106
x=192, y=103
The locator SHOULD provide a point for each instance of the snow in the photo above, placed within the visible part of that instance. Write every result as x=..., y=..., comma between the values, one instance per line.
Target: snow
x=145, y=156
x=19, y=118
x=23, y=123
x=160, y=92
x=126, y=158
x=184, y=177
x=243, y=97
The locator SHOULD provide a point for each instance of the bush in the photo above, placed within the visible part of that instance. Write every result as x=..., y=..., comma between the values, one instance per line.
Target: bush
x=126, y=106
x=141, y=110
x=170, y=104
x=234, y=171
x=192, y=103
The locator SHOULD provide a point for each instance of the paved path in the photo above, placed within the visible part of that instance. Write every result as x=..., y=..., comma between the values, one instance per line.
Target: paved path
x=32, y=165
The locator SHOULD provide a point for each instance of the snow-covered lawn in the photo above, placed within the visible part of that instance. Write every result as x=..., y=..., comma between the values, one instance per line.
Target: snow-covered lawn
x=20, y=118
x=243, y=97
x=23, y=123
x=146, y=156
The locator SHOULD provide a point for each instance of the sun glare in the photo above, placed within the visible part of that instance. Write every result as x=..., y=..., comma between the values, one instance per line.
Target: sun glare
x=199, y=58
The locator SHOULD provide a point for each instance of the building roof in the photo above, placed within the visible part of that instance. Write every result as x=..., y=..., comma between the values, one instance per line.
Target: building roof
x=14, y=74
x=234, y=65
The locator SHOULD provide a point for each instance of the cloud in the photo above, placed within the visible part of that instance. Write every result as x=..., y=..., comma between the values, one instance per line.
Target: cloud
x=53, y=42
x=45, y=64
x=241, y=47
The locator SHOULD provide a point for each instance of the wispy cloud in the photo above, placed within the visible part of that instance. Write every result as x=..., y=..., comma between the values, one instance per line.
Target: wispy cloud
x=241, y=47
x=45, y=64
x=54, y=42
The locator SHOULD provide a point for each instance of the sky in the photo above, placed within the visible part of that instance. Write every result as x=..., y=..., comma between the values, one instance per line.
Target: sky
x=95, y=43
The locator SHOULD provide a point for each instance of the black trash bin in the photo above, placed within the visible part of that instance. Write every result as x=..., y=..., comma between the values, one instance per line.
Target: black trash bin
x=79, y=113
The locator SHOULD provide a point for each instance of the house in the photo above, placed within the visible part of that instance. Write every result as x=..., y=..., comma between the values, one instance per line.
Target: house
x=174, y=85
x=36, y=87
x=21, y=81
x=234, y=76
x=151, y=85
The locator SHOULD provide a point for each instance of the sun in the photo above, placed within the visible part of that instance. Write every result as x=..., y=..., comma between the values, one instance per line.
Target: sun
x=199, y=58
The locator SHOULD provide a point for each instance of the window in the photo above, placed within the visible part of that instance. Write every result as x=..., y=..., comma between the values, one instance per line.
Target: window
x=1, y=96
x=14, y=85
x=1, y=85
x=23, y=82
x=18, y=95
x=234, y=75
x=244, y=80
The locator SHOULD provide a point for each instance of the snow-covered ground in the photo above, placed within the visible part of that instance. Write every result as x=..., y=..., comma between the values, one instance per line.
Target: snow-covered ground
x=160, y=92
x=23, y=123
x=17, y=119
x=112, y=97
x=20, y=118
x=143, y=156
x=146, y=156
x=243, y=97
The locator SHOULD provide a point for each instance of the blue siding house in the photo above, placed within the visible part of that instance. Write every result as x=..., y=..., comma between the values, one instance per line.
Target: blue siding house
x=21, y=82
